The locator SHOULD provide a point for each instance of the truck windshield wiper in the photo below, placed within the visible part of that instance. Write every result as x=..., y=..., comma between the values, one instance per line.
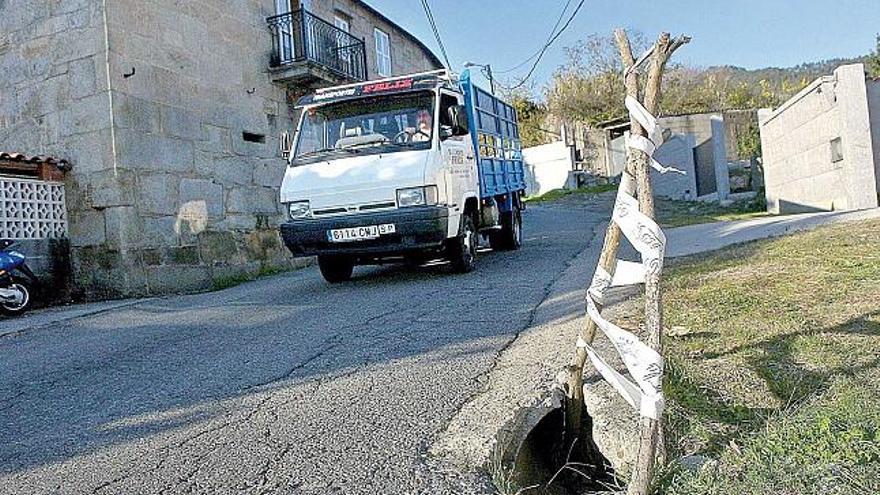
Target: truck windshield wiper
x=327, y=150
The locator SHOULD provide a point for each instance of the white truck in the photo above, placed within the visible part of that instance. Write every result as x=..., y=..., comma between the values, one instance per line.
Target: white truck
x=410, y=168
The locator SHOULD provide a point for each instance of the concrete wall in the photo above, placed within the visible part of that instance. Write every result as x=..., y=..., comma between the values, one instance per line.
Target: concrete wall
x=799, y=172
x=547, y=167
x=873, y=87
x=676, y=152
x=406, y=57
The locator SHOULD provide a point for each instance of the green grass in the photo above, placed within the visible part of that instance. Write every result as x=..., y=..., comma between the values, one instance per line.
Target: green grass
x=557, y=194
x=680, y=213
x=774, y=365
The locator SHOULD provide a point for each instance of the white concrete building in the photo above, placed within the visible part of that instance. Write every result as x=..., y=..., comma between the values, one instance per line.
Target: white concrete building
x=822, y=148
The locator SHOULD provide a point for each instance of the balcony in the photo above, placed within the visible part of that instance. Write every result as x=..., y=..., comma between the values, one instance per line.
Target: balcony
x=309, y=51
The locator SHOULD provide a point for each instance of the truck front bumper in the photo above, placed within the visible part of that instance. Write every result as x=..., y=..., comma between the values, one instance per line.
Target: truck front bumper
x=416, y=229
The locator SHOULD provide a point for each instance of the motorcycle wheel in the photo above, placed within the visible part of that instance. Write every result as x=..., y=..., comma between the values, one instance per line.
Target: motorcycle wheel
x=19, y=307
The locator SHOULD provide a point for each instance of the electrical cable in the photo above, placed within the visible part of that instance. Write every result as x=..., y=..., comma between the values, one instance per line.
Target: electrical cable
x=538, y=52
x=433, y=24
x=546, y=46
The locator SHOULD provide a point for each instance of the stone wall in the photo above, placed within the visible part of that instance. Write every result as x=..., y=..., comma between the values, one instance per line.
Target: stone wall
x=800, y=139
x=54, y=100
x=407, y=57
x=165, y=194
x=168, y=114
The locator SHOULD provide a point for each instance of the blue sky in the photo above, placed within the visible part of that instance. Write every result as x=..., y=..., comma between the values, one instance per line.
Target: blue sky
x=746, y=33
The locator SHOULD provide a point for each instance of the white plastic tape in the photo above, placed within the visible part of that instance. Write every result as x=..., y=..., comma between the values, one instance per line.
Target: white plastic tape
x=648, y=121
x=644, y=364
x=642, y=232
x=628, y=273
x=645, y=145
x=650, y=406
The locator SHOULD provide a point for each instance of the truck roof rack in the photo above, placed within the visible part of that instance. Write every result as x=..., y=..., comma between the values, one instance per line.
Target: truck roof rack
x=396, y=84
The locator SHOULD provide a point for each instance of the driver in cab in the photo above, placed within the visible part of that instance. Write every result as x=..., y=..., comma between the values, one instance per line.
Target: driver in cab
x=422, y=133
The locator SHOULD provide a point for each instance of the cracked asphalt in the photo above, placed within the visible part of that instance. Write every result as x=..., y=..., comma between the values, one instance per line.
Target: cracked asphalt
x=283, y=385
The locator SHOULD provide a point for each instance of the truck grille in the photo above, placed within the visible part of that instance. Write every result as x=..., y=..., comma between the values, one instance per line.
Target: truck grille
x=354, y=209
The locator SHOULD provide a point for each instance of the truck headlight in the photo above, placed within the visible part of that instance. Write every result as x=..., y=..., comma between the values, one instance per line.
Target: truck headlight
x=299, y=210
x=417, y=196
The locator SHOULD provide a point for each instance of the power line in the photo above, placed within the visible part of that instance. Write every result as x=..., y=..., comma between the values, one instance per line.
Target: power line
x=538, y=52
x=433, y=24
x=547, y=45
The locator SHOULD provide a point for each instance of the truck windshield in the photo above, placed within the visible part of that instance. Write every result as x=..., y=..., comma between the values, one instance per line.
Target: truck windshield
x=383, y=124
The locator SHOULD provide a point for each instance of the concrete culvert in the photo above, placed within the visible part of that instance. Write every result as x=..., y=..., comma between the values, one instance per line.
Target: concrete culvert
x=536, y=457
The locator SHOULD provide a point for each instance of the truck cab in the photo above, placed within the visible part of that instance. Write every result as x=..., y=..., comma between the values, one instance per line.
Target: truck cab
x=391, y=170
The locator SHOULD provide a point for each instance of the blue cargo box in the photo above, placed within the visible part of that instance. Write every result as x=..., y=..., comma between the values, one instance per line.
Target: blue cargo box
x=495, y=132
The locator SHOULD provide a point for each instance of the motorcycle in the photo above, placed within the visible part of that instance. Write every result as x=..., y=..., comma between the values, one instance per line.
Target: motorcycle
x=16, y=292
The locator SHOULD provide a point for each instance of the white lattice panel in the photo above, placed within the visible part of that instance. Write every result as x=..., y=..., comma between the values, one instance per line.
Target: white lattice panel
x=32, y=209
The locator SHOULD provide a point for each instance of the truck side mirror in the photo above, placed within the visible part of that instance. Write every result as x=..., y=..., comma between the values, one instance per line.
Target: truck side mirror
x=285, y=142
x=458, y=117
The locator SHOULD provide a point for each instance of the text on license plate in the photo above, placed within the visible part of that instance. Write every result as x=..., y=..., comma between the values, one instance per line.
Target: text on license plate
x=360, y=233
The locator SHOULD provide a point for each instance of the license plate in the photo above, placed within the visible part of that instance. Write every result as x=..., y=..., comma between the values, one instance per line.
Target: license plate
x=360, y=233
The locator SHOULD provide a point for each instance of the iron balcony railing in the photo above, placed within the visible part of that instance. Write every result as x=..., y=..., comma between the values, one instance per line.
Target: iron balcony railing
x=299, y=36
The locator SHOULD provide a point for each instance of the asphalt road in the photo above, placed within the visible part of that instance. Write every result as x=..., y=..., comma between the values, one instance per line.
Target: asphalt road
x=284, y=385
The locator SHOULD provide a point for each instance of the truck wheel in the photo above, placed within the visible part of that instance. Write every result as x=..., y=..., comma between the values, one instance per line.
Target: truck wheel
x=24, y=301
x=463, y=250
x=335, y=269
x=509, y=237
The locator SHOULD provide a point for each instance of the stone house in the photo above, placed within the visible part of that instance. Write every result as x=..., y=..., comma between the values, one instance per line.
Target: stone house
x=822, y=147
x=169, y=113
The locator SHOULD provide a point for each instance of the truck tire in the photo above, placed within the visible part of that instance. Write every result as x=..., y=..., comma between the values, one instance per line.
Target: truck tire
x=509, y=237
x=335, y=269
x=463, y=249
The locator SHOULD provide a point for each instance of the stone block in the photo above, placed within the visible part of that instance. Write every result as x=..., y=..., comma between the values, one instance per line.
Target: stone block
x=205, y=192
x=153, y=257
x=183, y=255
x=270, y=173
x=109, y=188
x=86, y=228
x=215, y=139
x=82, y=77
x=123, y=228
x=228, y=170
x=182, y=279
x=134, y=113
x=85, y=115
x=163, y=231
x=159, y=194
x=252, y=200
x=238, y=222
x=181, y=123
x=218, y=248
x=153, y=152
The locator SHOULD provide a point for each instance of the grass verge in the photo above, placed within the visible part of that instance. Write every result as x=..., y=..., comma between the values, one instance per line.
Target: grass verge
x=557, y=194
x=680, y=213
x=774, y=366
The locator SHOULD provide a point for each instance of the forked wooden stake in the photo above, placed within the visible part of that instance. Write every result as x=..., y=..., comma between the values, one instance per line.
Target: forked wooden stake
x=638, y=165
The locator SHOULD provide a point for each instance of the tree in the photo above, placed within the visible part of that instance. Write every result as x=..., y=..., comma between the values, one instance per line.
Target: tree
x=588, y=88
x=532, y=117
x=874, y=60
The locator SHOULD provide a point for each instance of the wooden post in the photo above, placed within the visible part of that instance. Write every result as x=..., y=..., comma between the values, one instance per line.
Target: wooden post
x=607, y=261
x=650, y=429
x=638, y=165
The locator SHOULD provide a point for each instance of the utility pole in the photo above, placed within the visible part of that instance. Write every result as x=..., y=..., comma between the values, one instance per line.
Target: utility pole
x=488, y=73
